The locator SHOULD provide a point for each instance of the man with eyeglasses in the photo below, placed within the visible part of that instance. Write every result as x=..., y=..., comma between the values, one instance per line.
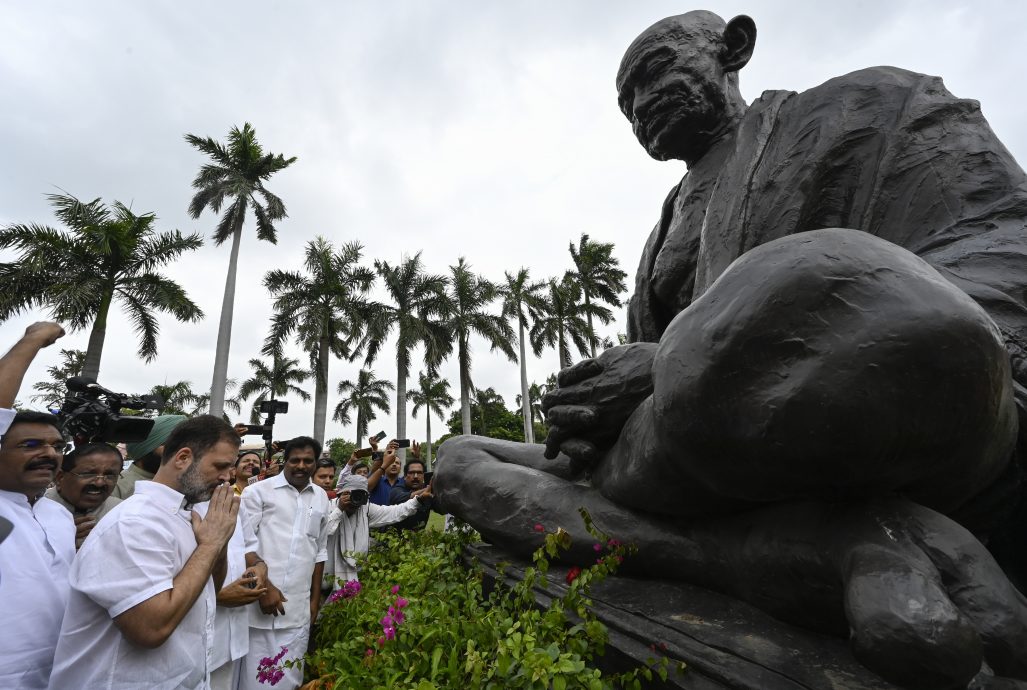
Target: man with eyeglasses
x=412, y=487
x=84, y=485
x=36, y=558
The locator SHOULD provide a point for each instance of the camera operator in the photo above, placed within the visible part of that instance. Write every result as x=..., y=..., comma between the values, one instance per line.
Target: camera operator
x=84, y=484
x=146, y=455
x=353, y=516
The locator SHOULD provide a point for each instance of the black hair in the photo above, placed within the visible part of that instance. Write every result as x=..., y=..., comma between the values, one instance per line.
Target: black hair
x=414, y=461
x=243, y=454
x=299, y=443
x=324, y=462
x=33, y=417
x=71, y=459
x=359, y=465
x=199, y=435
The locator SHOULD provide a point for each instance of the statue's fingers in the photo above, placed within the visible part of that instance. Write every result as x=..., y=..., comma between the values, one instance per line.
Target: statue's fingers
x=572, y=417
x=553, y=441
x=580, y=450
x=585, y=369
x=566, y=396
x=903, y=625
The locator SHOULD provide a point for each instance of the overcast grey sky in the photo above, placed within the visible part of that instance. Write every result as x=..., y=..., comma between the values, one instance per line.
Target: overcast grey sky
x=483, y=129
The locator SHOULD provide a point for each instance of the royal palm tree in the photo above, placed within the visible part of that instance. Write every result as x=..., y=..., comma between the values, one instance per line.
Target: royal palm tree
x=522, y=299
x=109, y=254
x=466, y=313
x=418, y=300
x=52, y=393
x=599, y=276
x=534, y=400
x=432, y=393
x=482, y=400
x=563, y=322
x=325, y=309
x=235, y=175
x=273, y=382
x=232, y=402
x=363, y=397
x=178, y=397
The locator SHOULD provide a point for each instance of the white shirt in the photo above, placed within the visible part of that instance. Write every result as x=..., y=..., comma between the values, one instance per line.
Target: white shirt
x=343, y=529
x=133, y=554
x=6, y=417
x=232, y=624
x=34, y=563
x=292, y=536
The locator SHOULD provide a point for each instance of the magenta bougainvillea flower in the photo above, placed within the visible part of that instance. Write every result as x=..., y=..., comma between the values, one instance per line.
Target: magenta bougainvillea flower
x=268, y=670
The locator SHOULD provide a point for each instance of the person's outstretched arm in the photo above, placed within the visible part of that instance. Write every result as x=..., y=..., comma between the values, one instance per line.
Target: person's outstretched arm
x=15, y=363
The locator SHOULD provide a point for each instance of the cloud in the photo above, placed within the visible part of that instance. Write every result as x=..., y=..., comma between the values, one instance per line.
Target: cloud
x=485, y=130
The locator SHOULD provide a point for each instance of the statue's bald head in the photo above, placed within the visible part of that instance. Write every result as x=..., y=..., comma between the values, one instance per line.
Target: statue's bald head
x=678, y=81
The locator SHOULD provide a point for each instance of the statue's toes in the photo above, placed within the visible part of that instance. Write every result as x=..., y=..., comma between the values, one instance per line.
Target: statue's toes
x=903, y=624
x=982, y=592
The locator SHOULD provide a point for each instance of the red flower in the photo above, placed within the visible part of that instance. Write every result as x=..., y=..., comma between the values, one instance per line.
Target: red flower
x=539, y=528
x=572, y=574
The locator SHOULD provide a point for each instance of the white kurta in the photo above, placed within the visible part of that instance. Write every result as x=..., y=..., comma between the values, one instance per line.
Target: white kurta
x=232, y=624
x=34, y=563
x=291, y=527
x=133, y=554
x=6, y=417
x=345, y=527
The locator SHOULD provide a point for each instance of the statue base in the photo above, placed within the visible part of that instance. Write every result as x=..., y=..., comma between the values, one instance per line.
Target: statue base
x=724, y=642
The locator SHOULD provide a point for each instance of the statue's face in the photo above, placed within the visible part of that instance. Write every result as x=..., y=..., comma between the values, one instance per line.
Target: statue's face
x=672, y=89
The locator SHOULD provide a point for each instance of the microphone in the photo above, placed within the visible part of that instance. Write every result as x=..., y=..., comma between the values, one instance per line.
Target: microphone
x=84, y=384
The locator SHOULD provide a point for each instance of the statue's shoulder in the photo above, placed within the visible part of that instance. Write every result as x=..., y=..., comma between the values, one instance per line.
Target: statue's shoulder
x=877, y=88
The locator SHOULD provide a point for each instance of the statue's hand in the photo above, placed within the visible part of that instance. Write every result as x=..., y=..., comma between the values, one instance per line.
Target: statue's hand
x=594, y=399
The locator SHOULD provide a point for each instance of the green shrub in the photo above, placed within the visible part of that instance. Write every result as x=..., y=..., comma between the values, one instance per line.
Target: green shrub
x=445, y=634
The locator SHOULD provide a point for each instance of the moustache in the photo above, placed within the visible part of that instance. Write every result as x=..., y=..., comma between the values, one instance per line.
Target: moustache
x=42, y=464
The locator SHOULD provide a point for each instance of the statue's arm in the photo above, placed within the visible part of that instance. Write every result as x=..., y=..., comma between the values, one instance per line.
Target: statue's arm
x=594, y=400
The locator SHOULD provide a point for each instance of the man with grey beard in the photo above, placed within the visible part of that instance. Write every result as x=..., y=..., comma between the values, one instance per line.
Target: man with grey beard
x=143, y=585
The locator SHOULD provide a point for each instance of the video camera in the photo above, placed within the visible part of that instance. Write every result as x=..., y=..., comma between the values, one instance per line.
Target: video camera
x=271, y=408
x=92, y=413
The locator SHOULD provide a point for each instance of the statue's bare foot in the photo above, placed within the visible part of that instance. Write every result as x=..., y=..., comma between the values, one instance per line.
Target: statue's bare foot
x=925, y=600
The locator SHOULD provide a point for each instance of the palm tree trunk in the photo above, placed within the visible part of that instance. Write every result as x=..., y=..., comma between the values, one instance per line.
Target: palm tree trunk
x=591, y=333
x=529, y=432
x=565, y=358
x=91, y=368
x=321, y=390
x=401, y=404
x=217, y=385
x=427, y=442
x=465, y=389
x=360, y=426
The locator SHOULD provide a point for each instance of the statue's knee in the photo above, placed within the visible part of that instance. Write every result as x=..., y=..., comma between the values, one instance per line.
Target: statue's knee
x=833, y=358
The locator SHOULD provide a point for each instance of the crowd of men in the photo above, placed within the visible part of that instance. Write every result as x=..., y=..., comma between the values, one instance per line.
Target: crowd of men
x=188, y=567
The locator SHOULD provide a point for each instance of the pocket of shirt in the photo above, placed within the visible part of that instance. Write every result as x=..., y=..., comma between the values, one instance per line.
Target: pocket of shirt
x=314, y=524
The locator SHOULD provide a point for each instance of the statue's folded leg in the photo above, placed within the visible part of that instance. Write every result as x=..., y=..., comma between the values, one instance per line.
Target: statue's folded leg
x=922, y=600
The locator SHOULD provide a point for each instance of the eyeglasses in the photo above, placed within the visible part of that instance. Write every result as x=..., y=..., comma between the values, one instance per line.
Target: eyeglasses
x=91, y=476
x=61, y=447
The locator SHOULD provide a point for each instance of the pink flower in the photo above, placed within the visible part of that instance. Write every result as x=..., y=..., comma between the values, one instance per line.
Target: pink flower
x=386, y=622
x=381, y=641
x=613, y=543
x=400, y=617
x=597, y=547
x=369, y=652
x=401, y=603
x=390, y=633
x=395, y=589
x=539, y=528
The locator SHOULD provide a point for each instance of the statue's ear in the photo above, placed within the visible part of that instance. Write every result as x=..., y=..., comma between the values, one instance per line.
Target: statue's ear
x=739, y=40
